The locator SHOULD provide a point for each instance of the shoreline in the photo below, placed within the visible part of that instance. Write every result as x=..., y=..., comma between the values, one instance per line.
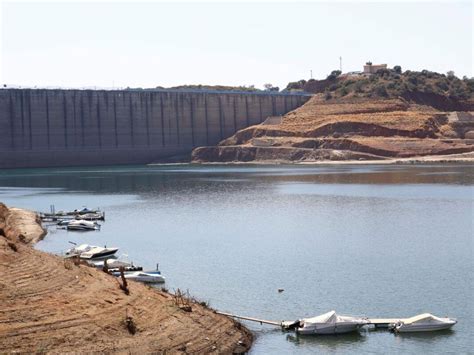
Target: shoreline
x=52, y=305
x=464, y=158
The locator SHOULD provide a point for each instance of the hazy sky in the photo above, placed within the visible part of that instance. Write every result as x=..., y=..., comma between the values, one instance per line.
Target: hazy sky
x=164, y=44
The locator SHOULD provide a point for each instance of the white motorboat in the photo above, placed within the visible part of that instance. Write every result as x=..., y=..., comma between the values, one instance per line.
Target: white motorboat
x=82, y=225
x=86, y=251
x=327, y=323
x=111, y=263
x=114, y=265
x=91, y=216
x=425, y=322
x=82, y=211
x=145, y=276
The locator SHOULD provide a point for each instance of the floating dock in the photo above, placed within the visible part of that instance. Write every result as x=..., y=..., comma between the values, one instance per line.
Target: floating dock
x=384, y=322
x=377, y=322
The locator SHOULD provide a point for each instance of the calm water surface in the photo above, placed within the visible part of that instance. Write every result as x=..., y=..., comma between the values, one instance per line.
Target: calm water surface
x=378, y=241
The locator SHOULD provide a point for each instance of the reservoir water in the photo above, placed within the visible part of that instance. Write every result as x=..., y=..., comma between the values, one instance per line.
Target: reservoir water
x=377, y=241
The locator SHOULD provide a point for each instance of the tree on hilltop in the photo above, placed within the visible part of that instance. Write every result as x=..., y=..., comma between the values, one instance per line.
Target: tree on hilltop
x=334, y=74
x=270, y=87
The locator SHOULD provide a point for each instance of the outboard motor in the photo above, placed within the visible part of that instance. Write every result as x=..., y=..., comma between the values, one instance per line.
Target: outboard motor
x=289, y=325
x=393, y=326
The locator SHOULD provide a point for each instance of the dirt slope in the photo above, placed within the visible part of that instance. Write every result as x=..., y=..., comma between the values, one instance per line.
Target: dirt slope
x=349, y=129
x=48, y=304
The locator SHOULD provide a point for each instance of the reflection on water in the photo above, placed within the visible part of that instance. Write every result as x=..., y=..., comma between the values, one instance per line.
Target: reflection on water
x=327, y=343
x=142, y=179
x=378, y=241
x=424, y=338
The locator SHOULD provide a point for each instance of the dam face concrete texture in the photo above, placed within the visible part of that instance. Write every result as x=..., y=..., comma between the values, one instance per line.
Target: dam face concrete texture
x=44, y=128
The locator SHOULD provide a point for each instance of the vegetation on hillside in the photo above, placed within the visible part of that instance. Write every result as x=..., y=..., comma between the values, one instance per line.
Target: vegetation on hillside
x=387, y=83
x=215, y=87
x=250, y=88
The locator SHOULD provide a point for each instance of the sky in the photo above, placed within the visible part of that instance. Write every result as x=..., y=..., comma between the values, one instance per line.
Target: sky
x=149, y=44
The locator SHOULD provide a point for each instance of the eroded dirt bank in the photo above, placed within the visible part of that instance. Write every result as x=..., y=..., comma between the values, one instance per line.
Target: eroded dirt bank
x=52, y=305
x=349, y=129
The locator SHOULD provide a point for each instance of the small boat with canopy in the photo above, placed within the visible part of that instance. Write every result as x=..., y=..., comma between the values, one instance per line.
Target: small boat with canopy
x=425, y=322
x=86, y=251
x=327, y=323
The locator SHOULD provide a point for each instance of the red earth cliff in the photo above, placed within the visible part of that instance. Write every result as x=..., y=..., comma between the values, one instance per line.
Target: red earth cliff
x=349, y=129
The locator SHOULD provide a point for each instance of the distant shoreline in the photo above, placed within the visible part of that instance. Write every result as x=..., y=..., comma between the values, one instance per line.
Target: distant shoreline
x=464, y=158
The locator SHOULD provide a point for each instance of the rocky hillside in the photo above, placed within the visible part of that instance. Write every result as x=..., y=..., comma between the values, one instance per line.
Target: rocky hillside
x=354, y=127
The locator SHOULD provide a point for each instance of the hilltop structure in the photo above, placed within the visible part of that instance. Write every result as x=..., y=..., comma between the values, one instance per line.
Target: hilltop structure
x=370, y=68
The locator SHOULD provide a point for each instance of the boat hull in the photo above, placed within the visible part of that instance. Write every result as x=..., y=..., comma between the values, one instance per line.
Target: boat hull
x=329, y=329
x=98, y=255
x=116, y=270
x=81, y=225
x=146, y=276
x=422, y=328
x=150, y=280
x=76, y=228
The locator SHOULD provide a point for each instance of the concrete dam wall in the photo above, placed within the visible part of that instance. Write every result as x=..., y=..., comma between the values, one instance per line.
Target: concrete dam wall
x=44, y=128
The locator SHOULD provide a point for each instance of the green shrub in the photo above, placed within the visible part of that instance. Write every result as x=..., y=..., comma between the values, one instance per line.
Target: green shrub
x=470, y=84
x=343, y=91
x=359, y=86
x=334, y=74
x=381, y=90
x=427, y=73
x=428, y=88
x=413, y=79
x=373, y=78
x=384, y=73
x=391, y=86
x=348, y=82
x=296, y=85
x=442, y=85
x=458, y=93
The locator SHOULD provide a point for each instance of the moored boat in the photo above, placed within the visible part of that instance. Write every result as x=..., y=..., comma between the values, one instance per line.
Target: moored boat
x=96, y=216
x=86, y=251
x=327, y=323
x=63, y=222
x=125, y=269
x=82, y=211
x=85, y=213
x=82, y=225
x=145, y=276
x=114, y=265
x=425, y=322
x=154, y=276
